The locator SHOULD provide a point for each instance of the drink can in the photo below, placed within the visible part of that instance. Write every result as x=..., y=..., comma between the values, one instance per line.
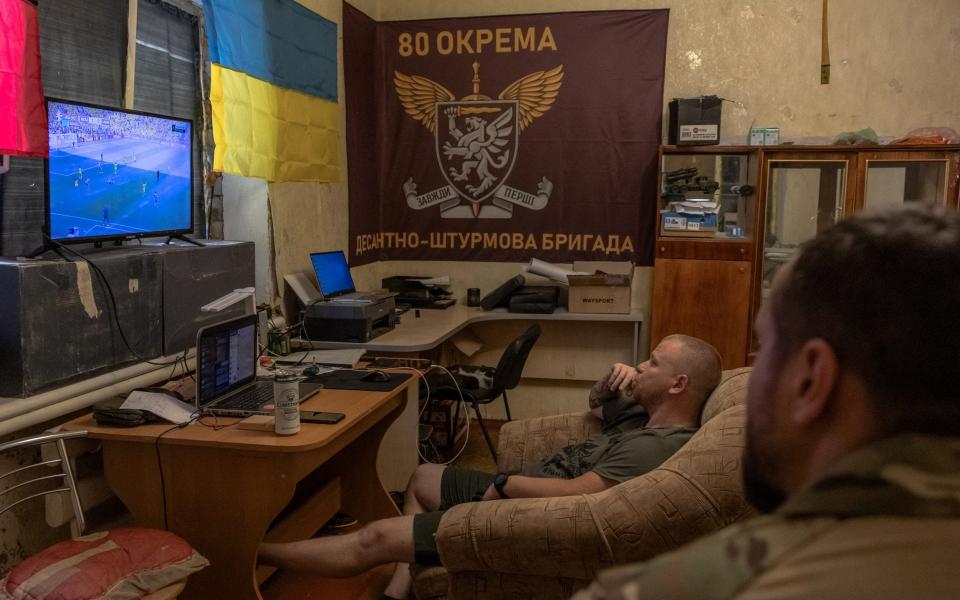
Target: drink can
x=286, y=402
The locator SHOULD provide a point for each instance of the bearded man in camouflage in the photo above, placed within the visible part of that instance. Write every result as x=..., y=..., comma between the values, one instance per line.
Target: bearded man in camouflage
x=853, y=430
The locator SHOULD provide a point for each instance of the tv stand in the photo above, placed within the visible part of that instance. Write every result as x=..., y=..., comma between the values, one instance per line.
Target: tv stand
x=183, y=238
x=47, y=247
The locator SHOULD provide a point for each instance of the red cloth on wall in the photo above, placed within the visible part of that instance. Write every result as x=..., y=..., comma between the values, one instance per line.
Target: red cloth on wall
x=23, y=115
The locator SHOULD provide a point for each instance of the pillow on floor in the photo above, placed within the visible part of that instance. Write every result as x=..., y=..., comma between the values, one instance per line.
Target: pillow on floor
x=116, y=564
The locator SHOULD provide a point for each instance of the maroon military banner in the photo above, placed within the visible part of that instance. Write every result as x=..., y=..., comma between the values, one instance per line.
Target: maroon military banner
x=504, y=138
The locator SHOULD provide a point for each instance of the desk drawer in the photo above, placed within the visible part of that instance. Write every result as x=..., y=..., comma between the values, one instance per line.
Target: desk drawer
x=704, y=249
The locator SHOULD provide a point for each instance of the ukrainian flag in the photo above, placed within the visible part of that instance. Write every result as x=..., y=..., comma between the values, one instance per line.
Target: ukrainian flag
x=273, y=90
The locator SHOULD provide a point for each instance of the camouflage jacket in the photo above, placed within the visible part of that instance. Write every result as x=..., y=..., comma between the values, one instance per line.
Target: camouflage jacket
x=902, y=476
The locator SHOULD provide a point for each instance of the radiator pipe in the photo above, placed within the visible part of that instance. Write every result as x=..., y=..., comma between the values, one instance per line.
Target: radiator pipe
x=17, y=414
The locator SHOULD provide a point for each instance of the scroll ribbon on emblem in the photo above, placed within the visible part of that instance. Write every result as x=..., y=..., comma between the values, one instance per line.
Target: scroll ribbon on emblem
x=525, y=199
x=429, y=199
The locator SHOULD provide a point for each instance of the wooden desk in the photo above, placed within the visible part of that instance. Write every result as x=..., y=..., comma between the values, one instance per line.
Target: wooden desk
x=436, y=326
x=222, y=490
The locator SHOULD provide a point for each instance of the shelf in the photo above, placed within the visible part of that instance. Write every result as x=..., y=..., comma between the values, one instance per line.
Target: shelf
x=713, y=149
x=710, y=188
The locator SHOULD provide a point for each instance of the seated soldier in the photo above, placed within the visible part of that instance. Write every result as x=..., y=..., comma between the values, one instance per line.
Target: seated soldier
x=853, y=430
x=648, y=412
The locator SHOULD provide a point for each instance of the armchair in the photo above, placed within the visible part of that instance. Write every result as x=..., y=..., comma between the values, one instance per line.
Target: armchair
x=550, y=547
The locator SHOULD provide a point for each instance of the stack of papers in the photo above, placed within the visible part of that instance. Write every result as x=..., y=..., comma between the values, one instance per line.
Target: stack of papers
x=162, y=405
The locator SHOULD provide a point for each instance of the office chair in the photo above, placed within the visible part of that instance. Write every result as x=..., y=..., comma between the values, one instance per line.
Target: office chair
x=483, y=385
x=132, y=562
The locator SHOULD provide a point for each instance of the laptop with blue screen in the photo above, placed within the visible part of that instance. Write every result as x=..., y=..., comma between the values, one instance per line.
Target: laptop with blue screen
x=227, y=371
x=334, y=279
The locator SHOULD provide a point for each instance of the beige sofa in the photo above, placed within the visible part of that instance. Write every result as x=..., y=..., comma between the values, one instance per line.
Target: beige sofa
x=549, y=547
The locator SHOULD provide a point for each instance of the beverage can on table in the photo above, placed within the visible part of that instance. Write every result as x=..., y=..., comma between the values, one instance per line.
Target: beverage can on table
x=286, y=401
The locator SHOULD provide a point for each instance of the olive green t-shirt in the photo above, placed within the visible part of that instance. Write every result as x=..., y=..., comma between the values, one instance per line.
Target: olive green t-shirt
x=622, y=450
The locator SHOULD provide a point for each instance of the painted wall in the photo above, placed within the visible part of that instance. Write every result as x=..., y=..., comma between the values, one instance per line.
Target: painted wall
x=245, y=216
x=762, y=55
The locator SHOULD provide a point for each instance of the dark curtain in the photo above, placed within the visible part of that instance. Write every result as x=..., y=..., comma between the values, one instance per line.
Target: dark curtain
x=167, y=76
x=83, y=46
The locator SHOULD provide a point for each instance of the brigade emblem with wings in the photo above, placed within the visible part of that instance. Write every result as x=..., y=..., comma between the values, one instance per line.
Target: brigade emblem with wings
x=477, y=141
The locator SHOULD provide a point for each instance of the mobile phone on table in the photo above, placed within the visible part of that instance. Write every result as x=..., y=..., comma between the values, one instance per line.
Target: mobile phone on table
x=312, y=416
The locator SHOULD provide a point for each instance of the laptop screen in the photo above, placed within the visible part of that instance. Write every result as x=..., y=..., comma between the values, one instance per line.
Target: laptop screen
x=226, y=357
x=333, y=274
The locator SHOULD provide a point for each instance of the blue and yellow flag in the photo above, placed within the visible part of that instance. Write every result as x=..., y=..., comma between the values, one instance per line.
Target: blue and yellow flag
x=273, y=90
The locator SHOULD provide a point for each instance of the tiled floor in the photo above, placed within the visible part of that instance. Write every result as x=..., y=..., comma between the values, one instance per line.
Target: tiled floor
x=370, y=585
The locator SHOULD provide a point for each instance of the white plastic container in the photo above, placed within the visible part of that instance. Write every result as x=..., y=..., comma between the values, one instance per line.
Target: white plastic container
x=286, y=402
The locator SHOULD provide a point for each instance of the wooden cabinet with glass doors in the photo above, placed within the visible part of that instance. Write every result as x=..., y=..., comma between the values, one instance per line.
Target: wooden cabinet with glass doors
x=711, y=283
x=805, y=189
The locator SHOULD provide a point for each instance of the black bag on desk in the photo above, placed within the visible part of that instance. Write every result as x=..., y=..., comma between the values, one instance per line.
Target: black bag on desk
x=501, y=295
x=540, y=299
x=109, y=414
x=411, y=290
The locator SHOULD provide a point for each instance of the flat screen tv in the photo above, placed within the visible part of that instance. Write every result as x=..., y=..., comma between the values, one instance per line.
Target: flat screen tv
x=116, y=174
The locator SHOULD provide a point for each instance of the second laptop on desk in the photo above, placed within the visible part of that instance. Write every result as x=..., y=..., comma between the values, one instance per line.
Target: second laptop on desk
x=336, y=283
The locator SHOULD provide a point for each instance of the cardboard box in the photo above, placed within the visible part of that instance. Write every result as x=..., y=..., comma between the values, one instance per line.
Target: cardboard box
x=771, y=136
x=694, y=121
x=681, y=224
x=607, y=293
x=764, y=136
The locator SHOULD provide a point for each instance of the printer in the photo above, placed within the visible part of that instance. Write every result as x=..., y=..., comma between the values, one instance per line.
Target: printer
x=413, y=291
x=349, y=320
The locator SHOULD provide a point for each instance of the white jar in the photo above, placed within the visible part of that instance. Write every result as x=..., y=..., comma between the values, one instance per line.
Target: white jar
x=286, y=402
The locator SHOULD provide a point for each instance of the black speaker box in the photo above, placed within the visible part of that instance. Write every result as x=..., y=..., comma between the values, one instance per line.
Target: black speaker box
x=58, y=324
x=197, y=275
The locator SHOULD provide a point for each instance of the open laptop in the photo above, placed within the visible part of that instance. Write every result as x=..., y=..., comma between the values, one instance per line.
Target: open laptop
x=227, y=383
x=335, y=281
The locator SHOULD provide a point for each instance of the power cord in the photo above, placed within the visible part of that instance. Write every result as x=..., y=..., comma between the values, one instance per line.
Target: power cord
x=113, y=304
x=163, y=484
x=181, y=361
x=309, y=343
x=266, y=349
x=217, y=426
x=463, y=406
